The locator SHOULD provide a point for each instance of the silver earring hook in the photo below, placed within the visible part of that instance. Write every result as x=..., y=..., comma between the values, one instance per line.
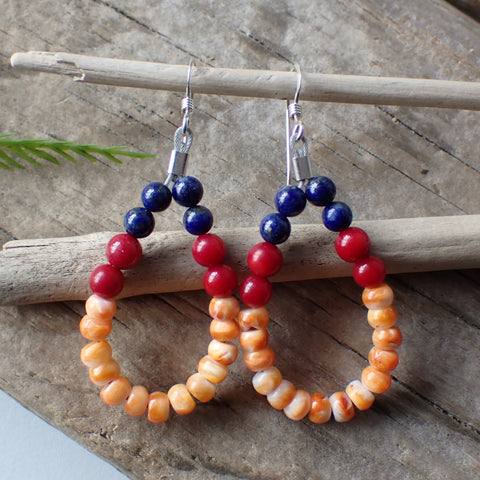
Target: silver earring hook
x=299, y=82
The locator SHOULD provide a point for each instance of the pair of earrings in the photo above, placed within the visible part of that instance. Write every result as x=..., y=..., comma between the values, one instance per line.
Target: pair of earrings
x=229, y=321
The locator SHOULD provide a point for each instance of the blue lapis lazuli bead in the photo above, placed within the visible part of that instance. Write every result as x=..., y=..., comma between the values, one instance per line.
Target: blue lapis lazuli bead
x=290, y=201
x=337, y=216
x=187, y=191
x=320, y=191
x=139, y=222
x=156, y=197
x=275, y=228
x=198, y=220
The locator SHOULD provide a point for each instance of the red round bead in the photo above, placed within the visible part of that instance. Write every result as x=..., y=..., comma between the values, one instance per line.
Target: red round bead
x=265, y=259
x=352, y=245
x=106, y=281
x=124, y=251
x=370, y=272
x=208, y=250
x=255, y=291
x=220, y=281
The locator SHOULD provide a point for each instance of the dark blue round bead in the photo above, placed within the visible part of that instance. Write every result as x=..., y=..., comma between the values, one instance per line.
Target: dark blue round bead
x=187, y=191
x=290, y=201
x=337, y=216
x=320, y=191
x=139, y=222
x=197, y=220
x=275, y=228
x=156, y=197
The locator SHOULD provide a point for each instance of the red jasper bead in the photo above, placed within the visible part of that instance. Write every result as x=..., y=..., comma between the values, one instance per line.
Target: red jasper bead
x=106, y=281
x=265, y=259
x=352, y=244
x=370, y=272
x=208, y=250
x=220, y=281
x=255, y=291
x=124, y=251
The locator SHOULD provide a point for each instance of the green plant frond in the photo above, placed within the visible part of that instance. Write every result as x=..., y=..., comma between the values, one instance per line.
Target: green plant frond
x=28, y=148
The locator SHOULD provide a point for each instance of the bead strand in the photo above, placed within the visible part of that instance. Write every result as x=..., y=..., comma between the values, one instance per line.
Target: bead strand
x=124, y=252
x=265, y=259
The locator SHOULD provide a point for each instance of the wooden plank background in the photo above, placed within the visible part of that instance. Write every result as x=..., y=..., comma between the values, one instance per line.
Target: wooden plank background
x=387, y=163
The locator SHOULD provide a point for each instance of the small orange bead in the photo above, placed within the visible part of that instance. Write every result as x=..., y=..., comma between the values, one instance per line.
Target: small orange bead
x=259, y=359
x=342, y=407
x=95, y=328
x=104, y=372
x=253, y=318
x=377, y=298
x=201, y=388
x=116, y=392
x=254, y=339
x=376, y=380
x=266, y=381
x=95, y=353
x=299, y=406
x=361, y=397
x=101, y=308
x=320, y=409
x=382, y=318
x=212, y=370
x=137, y=401
x=158, y=407
x=387, y=338
x=224, y=330
x=282, y=395
x=384, y=360
x=223, y=352
x=181, y=400
x=224, y=308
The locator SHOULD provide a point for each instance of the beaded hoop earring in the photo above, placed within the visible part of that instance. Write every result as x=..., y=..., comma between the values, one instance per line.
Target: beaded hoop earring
x=123, y=252
x=265, y=259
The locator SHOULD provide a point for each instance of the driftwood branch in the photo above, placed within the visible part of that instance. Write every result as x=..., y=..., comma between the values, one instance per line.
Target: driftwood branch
x=316, y=87
x=33, y=271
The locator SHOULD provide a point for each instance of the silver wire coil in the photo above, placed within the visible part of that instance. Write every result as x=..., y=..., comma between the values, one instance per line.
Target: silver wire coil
x=187, y=104
x=294, y=110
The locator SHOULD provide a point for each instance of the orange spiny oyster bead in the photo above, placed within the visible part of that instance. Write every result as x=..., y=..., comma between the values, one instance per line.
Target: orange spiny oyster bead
x=266, y=381
x=95, y=328
x=387, y=338
x=282, y=395
x=95, y=353
x=101, y=308
x=137, y=401
x=224, y=330
x=383, y=318
x=361, y=397
x=259, y=359
x=378, y=297
x=320, y=408
x=105, y=372
x=384, y=360
x=223, y=352
x=299, y=406
x=226, y=308
x=212, y=370
x=158, y=407
x=253, y=318
x=342, y=407
x=116, y=392
x=254, y=339
x=181, y=400
x=376, y=380
x=201, y=388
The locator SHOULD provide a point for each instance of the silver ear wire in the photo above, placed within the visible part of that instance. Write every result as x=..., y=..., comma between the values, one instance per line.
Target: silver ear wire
x=296, y=144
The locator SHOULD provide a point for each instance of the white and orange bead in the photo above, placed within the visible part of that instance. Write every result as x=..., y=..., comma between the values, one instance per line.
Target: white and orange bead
x=105, y=372
x=224, y=330
x=361, y=397
x=223, y=352
x=95, y=353
x=99, y=307
x=266, y=381
x=181, y=400
x=253, y=318
x=95, y=328
x=342, y=407
x=158, y=408
x=384, y=360
x=137, y=401
x=375, y=380
x=387, y=338
x=257, y=360
x=299, y=406
x=377, y=298
x=252, y=340
x=225, y=308
x=382, y=318
x=320, y=408
x=212, y=370
x=201, y=388
x=116, y=391
x=282, y=395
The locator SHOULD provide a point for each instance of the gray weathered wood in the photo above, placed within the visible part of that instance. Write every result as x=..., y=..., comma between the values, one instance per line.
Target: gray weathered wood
x=58, y=269
x=387, y=162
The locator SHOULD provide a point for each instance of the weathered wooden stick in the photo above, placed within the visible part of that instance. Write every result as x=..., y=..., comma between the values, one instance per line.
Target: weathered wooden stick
x=33, y=271
x=256, y=83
